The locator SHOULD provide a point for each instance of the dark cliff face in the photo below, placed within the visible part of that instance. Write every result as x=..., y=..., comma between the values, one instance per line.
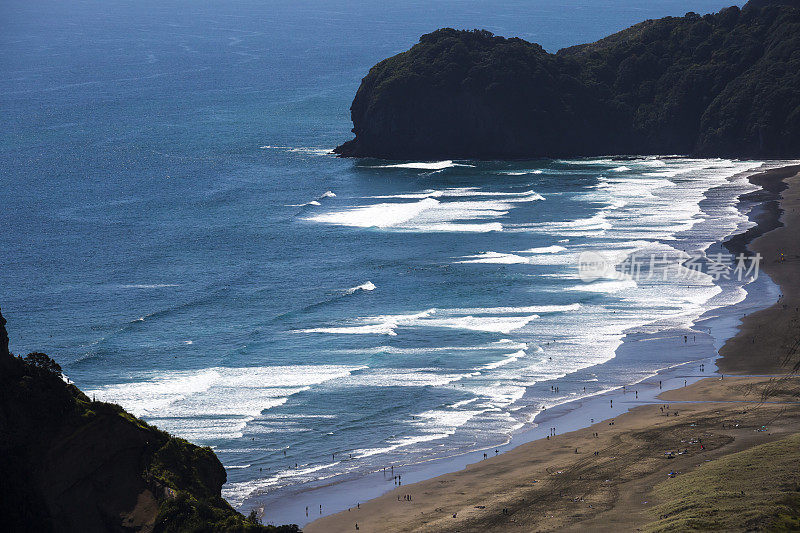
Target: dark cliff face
x=726, y=84
x=764, y=3
x=5, y=354
x=463, y=93
x=72, y=464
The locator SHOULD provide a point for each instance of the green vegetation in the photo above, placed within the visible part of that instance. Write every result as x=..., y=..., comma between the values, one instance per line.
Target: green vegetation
x=185, y=513
x=72, y=464
x=756, y=489
x=726, y=84
x=43, y=362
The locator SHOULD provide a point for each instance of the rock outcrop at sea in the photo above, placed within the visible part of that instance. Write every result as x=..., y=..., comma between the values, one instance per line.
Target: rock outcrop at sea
x=724, y=84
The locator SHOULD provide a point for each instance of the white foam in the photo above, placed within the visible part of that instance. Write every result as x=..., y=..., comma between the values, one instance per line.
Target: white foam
x=544, y=250
x=400, y=377
x=399, y=443
x=317, y=202
x=504, y=344
x=435, y=424
x=432, y=212
x=450, y=319
x=214, y=402
x=627, y=213
x=377, y=325
x=516, y=310
x=502, y=362
x=520, y=172
x=368, y=286
x=494, y=258
x=593, y=226
x=429, y=193
x=237, y=493
x=436, y=165
x=605, y=286
x=377, y=216
x=309, y=150
x=479, y=323
x=372, y=329
x=457, y=228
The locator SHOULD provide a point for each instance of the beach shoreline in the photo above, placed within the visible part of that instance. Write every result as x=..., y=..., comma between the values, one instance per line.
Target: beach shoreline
x=380, y=514
x=576, y=409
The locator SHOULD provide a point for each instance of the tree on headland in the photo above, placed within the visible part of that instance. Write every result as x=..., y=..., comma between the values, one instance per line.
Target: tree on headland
x=44, y=362
x=253, y=517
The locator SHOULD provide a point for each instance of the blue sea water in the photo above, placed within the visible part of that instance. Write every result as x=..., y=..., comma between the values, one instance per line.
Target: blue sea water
x=177, y=236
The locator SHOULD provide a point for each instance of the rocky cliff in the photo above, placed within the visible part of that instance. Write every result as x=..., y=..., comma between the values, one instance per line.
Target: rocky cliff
x=726, y=84
x=68, y=463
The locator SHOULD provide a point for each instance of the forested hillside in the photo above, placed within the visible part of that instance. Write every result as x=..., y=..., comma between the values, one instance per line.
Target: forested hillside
x=725, y=84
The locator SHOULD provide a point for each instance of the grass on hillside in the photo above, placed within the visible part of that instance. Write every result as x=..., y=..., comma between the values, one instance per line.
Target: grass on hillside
x=754, y=490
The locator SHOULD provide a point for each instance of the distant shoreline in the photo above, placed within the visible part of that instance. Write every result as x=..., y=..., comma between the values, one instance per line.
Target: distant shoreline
x=489, y=481
x=772, y=183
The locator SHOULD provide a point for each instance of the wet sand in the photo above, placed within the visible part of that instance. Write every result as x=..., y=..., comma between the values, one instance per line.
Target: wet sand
x=606, y=482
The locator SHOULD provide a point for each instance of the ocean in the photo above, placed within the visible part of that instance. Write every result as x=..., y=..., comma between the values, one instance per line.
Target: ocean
x=177, y=235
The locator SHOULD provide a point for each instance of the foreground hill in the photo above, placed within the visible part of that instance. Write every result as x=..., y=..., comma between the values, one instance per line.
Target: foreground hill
x=726, y=84
x=71, y=464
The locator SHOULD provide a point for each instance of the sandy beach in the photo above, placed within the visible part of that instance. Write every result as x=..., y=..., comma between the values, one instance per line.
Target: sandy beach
x=729, y=440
